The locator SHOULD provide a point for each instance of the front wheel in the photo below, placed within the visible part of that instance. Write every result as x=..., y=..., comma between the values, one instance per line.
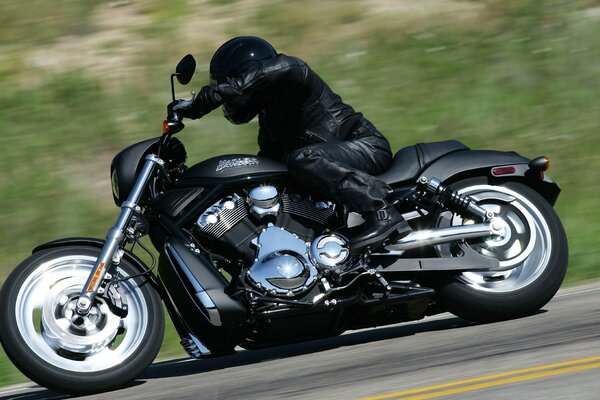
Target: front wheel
x=54, y=347
x=533, y=249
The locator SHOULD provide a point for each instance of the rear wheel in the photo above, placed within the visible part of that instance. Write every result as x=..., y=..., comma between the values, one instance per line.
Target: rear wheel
x=534, y=248
x=49, y=343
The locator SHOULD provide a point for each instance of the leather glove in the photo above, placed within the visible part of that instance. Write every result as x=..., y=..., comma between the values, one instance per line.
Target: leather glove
x=184, y=108
x=227, y=90
x=207, y=100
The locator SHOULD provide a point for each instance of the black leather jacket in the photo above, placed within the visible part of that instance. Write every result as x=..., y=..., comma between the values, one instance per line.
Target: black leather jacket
x=295, y=106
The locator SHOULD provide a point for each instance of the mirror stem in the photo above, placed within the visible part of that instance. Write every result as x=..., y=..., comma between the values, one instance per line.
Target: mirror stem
x=172, y=87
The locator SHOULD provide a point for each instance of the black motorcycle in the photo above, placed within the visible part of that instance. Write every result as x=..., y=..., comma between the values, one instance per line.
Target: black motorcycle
x=248, y=257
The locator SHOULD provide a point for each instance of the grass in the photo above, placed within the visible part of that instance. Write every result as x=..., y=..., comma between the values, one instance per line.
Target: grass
x=507, y=75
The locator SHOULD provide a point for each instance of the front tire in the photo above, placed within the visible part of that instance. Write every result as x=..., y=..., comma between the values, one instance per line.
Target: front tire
x=103, y=353
x=534, y=247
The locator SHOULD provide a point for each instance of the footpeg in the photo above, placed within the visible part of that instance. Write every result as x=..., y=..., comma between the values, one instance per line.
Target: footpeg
x=194, y=347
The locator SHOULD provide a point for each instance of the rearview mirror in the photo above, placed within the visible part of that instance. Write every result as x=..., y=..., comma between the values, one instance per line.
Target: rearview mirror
x=185, y=69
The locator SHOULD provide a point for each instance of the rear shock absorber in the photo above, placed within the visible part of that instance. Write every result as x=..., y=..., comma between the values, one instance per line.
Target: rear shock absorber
x=458, y=203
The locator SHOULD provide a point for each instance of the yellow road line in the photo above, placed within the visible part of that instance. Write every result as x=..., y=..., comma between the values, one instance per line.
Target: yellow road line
x=549, y=370
x=501, y=382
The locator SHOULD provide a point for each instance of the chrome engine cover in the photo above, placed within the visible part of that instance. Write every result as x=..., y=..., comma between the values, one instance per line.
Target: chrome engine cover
x=264, y=201
x=282, y=266
x=329, y=251
x=222, y=216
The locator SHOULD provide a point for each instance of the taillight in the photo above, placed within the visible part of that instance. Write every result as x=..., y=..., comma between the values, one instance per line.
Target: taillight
x=499, y=171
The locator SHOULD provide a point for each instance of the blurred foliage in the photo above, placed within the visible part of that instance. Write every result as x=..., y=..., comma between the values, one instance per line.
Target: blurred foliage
x=38, y=22
x=81, y=80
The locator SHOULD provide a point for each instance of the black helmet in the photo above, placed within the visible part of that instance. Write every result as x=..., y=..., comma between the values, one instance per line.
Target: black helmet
x=237, y=54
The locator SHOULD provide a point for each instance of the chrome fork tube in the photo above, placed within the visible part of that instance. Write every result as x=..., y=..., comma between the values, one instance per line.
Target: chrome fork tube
x=116, y=236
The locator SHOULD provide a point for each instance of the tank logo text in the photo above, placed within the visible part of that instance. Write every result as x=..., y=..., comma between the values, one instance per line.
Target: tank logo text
x=236, y=162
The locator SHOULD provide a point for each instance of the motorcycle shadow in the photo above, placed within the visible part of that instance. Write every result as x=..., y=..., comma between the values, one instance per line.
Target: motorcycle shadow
x=36, y=392
x=186, y=366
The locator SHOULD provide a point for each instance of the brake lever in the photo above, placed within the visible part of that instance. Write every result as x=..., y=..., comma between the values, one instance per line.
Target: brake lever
x=183, y=104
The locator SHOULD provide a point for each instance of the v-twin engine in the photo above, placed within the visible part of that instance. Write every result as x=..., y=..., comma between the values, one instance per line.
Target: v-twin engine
x=275, y=234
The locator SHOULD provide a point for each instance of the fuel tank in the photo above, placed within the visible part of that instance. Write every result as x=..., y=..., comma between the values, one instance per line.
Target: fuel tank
x=232, y=167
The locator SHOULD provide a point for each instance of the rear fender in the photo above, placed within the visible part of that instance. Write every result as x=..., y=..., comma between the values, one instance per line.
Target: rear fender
x=473, y=163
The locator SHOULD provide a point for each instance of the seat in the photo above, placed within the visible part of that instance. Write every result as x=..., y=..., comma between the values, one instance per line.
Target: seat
x=409, y=161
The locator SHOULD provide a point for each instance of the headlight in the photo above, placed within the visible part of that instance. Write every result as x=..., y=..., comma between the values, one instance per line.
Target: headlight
x=114, y=180
x=175, y=153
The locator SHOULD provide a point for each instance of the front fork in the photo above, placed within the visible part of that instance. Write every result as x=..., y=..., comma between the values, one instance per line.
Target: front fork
x=112, y=252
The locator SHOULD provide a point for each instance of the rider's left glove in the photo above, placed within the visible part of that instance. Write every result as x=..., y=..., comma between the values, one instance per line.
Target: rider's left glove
x=184, y=108
x=207, y=100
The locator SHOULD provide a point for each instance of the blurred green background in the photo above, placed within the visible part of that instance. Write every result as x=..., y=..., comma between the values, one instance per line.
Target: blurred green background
x=81, y=80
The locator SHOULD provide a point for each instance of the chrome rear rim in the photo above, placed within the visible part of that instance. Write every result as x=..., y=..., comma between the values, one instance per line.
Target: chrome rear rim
x=525, y=246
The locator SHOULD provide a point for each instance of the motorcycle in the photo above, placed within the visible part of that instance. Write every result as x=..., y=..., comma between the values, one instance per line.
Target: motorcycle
x=249, y=257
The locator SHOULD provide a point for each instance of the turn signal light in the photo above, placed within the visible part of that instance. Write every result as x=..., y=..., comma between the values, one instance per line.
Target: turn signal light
x=171, y=127
x=539, y=164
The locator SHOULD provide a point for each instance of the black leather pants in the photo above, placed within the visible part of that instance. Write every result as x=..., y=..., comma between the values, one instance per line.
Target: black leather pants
x=343, y=170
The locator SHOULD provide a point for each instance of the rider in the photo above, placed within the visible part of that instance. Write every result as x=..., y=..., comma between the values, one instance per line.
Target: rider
x=325, y=143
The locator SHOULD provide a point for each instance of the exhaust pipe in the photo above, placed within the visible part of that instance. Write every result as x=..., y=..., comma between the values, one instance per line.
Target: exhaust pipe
x=444, y=235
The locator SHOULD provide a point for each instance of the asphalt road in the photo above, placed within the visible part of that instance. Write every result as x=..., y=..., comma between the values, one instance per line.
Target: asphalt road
x=554, y=354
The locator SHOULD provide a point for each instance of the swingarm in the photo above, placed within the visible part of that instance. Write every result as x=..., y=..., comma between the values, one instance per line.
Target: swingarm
x=430, y=194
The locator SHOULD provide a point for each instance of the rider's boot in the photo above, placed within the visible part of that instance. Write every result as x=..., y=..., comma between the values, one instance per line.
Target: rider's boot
x=378, y=226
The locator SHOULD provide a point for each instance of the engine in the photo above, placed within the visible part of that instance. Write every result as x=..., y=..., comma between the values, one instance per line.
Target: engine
x=280, y=236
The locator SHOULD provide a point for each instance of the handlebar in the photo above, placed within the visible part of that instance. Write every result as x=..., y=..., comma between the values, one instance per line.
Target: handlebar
x=173, y=122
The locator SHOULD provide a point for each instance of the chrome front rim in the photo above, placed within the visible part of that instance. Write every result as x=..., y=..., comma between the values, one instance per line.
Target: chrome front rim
x=46, y=317
x=524, y=247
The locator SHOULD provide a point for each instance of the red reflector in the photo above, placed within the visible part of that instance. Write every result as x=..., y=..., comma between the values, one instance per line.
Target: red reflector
x=497, y=171
x=165, y=126
x=95, y=278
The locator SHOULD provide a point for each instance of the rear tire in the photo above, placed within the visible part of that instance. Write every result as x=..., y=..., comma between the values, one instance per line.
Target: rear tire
x=105, y=352
x=535, y=245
